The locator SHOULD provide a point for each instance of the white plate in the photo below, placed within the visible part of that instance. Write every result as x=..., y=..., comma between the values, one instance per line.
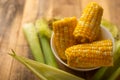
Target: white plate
x=105, y=34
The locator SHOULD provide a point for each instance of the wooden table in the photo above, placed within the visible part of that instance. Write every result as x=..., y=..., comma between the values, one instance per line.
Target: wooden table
x=14, y=13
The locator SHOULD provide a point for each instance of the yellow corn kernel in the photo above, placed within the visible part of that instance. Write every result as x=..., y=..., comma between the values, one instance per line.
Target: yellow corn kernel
x=90, y=54
x=88, y=27
x=63, y=37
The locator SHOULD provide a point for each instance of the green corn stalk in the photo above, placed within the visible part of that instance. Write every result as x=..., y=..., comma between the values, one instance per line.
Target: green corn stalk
x=115, y=74
x=43, y=71
x=44, y=34
x=33, y=41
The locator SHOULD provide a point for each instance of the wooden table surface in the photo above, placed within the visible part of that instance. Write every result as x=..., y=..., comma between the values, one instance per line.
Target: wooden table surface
x=14, y=13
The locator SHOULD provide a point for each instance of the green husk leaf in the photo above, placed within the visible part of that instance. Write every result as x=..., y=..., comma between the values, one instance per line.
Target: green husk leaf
x=48, y=55
x=33, y=41
x=115, y=74
x=42, y=27
x=51, y=20
x=99, y=74
x=44, y=71
x=22, y=60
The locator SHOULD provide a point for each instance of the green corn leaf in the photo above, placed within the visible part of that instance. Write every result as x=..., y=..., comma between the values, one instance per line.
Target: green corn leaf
x=115, y=74
x=42, y=28
x=44, y=34
x=43, y=71
x=33, y=41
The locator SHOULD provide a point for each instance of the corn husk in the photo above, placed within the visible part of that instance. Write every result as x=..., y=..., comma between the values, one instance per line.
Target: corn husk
x=44, y=71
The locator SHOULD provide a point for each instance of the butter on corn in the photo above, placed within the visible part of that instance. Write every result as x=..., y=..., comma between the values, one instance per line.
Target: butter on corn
x=88, y=27
x=90, y=55
x=63, y=35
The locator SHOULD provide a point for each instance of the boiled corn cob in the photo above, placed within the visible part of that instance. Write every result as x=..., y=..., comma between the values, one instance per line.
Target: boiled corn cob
x=94, y=54
x=88, y=27
x=63, y=37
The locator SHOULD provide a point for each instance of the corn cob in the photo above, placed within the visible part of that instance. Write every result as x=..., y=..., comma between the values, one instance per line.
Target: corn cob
x=94, y=54
x=88, y=27
x=63, y=36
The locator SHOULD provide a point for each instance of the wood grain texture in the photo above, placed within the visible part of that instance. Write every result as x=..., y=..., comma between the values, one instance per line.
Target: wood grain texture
x=114, y=9
x=66, y=8
x=14, y=13
x=8, y=15
x=19, y=72
x=11, y=13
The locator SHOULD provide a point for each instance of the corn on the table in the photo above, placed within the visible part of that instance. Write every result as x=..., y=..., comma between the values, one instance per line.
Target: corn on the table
x=63, y=34
x=89, y=55
x=88, y=27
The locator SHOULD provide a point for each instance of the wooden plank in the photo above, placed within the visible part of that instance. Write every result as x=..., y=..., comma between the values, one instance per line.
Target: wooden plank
x=66, y=8
x=30, y=11
x=19, y=71
x=8, y=12
x=114, y=11
x=30, y=14
x=45, y=8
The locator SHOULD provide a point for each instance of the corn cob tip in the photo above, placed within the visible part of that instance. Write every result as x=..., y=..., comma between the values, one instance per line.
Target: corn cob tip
x=88, y=27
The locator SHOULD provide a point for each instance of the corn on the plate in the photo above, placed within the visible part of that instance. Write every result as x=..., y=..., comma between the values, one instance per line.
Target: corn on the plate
x=94, y=54
x=88, y=27
x=63, y=35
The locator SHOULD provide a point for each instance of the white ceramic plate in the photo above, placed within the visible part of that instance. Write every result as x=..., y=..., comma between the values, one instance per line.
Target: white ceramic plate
x=105, y=34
